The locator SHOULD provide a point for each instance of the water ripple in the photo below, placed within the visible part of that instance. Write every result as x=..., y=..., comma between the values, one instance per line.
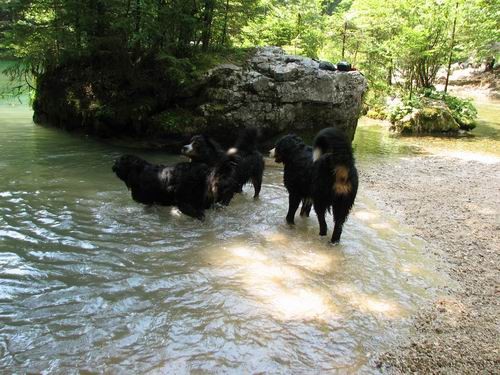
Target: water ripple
x=90, y=280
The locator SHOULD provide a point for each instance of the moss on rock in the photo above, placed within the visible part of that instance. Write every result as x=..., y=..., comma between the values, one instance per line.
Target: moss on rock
x=433, y=118
x=176, y=122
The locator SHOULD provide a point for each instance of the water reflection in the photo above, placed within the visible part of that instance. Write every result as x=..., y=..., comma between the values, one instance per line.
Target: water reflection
x=91, y=280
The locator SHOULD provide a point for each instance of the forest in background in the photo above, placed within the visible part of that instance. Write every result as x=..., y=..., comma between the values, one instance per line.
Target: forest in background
x=399, y=45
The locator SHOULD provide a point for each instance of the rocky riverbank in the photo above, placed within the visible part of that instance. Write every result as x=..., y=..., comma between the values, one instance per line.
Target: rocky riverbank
x=473, y=80
x=452, y=203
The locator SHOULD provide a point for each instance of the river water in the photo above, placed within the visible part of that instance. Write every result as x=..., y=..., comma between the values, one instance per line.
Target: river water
x=92, y=281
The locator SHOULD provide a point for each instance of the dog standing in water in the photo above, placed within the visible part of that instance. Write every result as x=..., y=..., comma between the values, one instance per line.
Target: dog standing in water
x=297, y=159
x=335, y=179
x=191, y=187
x=249, y=162
x=325, y=175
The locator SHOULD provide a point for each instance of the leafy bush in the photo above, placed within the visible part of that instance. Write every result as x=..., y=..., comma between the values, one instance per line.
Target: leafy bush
x=407, y=106
x=377, y=113
x=397, y=112
x=463, y=111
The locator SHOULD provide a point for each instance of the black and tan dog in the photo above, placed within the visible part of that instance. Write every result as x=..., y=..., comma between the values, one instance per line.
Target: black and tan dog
x=249, y=162
x=325, y=176
x=335, y=179
x=191, y=187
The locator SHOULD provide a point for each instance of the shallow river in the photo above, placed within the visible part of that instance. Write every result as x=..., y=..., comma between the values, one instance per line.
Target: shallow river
x=90, y=280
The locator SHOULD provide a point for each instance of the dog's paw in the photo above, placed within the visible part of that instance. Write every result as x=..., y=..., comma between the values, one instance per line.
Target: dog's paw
x=322, y=233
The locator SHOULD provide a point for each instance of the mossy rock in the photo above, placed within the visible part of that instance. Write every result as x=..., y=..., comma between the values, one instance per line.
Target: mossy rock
x=432, y=118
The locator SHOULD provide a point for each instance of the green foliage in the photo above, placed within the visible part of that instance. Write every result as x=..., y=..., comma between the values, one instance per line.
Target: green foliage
x=397, y=44
x=175, y=121
x=377, y=113
x=399, y=111
x=462, y=110
x=298, y=26
x=47, y=33
x=202, y=62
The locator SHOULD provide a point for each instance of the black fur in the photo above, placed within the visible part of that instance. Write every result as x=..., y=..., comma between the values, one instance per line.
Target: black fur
x=192, y=187
x=335, y=179
x=298, y=164
x=203, y=149
x=249, y=161
x=330, y=183
x=250, y=165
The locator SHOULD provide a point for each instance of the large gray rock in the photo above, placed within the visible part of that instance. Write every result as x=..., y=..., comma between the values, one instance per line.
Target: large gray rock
x=278, y=93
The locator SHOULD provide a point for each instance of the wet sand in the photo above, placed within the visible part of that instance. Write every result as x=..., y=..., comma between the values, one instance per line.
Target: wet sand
x=451, y=201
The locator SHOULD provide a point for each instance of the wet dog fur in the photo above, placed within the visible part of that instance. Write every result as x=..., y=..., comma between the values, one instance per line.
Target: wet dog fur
x=325, y=176
x=297, y=159
x=249, y=161
x=191, y=187
x=335, y=179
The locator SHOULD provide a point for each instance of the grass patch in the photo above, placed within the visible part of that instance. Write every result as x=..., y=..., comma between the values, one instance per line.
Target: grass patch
x=208, y=60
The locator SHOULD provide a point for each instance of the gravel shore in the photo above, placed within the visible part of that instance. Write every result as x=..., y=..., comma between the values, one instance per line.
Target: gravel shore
x=453, y=204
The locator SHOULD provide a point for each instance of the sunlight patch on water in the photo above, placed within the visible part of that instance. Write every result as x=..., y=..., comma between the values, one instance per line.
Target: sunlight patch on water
x=279, y=287
x=383, y=225
x=380, y=305
x=299, y=304
x=365, y=215
x=319, y=262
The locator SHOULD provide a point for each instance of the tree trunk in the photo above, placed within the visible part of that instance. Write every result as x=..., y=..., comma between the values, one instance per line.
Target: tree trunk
x=389, y=75
x=185, y=30
x=411, y=83
x=57, y=47
x=344, y=39
x=137, y=16
x=452, y=44
x=224, y=30
x=208, y=14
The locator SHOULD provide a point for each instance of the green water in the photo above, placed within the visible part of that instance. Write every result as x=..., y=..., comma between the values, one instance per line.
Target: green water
x=373, y=138
x=90, y=280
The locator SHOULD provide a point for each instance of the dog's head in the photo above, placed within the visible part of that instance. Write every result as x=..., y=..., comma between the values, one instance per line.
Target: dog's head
x=286, y=147
x=126, y=166
x=202, y=149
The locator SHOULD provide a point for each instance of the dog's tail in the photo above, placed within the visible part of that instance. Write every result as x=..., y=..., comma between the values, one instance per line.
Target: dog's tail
x=246, y=142
x=335, y=142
